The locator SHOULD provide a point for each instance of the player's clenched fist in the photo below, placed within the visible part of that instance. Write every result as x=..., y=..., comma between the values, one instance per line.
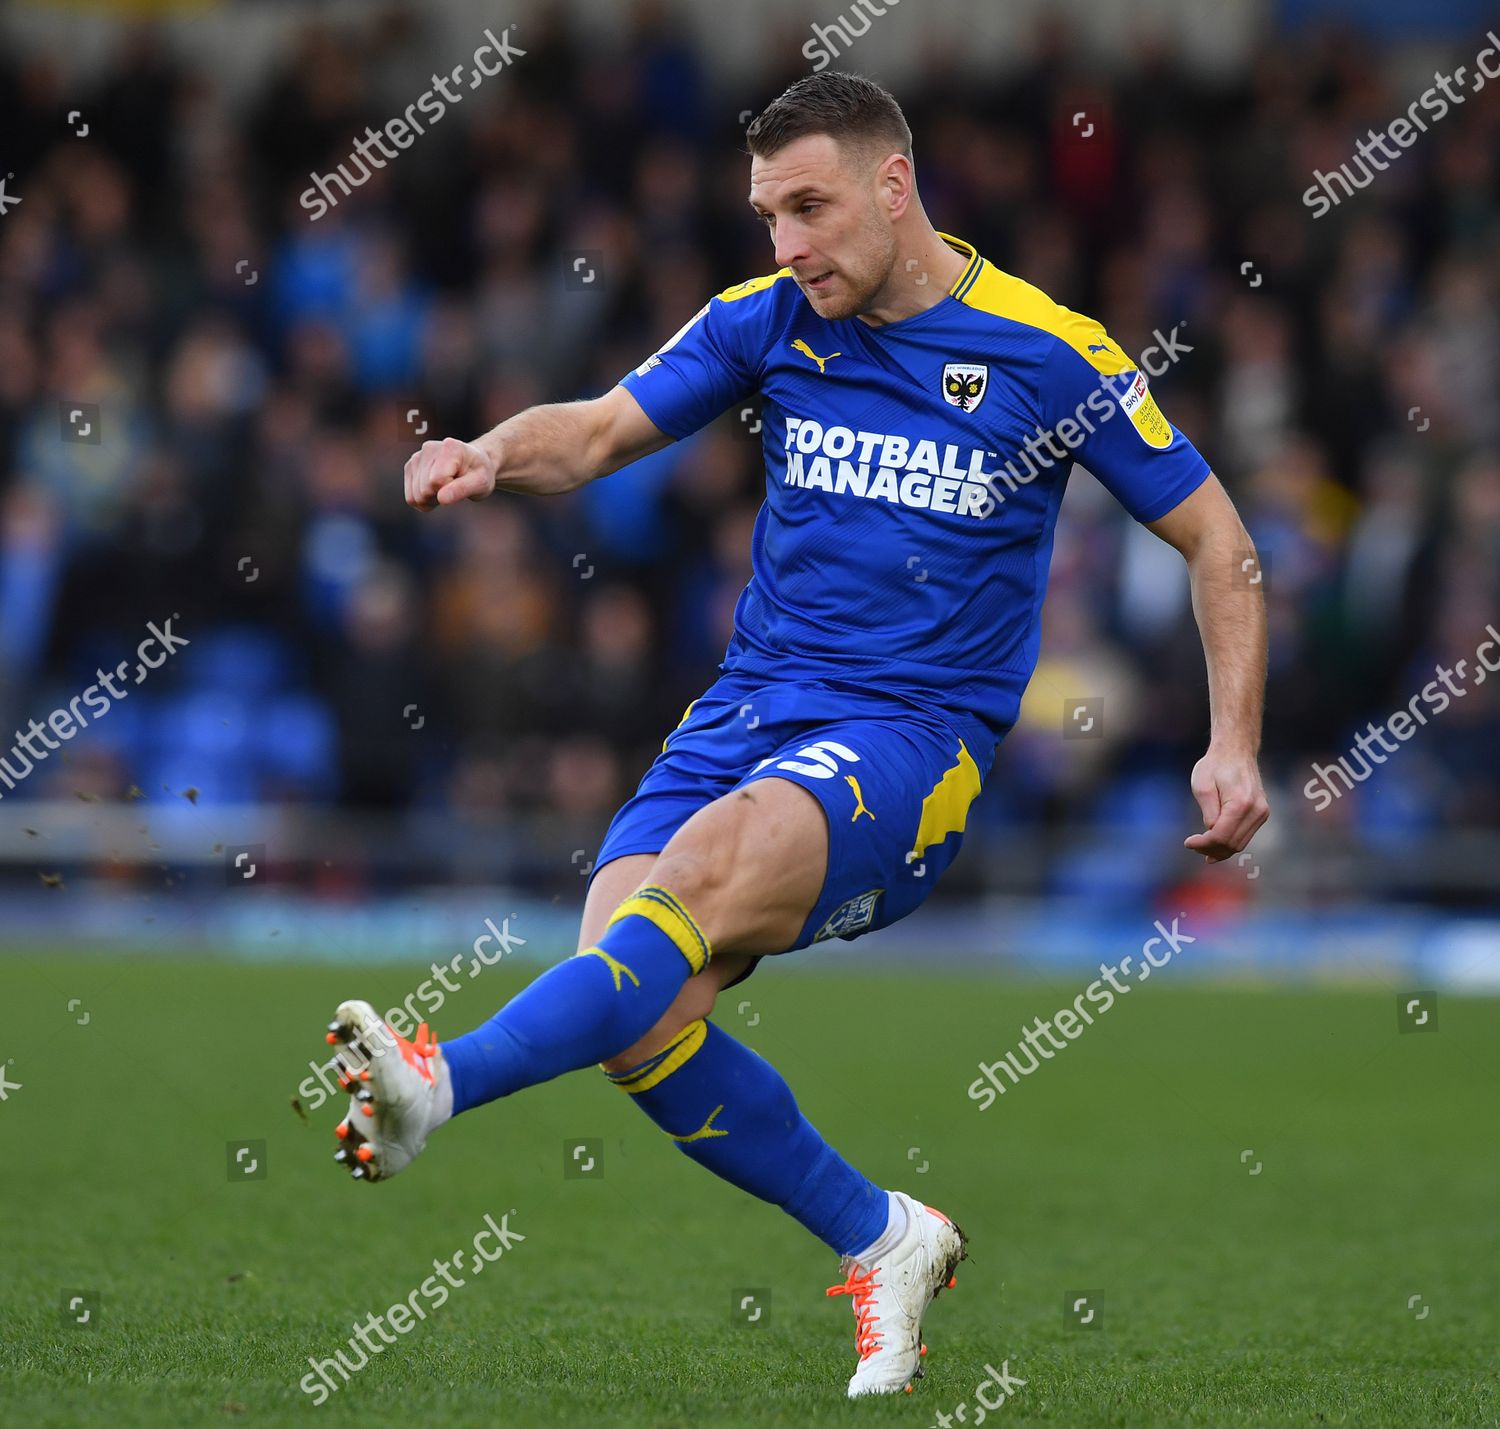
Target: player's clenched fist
x=448, y=471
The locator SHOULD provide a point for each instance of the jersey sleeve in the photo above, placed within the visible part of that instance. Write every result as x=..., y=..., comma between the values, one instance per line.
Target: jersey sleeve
x=1100, y=408
x=700, y=371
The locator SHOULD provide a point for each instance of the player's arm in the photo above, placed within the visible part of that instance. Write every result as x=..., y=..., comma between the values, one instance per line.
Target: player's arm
x=1231, y=614
x=544, y=450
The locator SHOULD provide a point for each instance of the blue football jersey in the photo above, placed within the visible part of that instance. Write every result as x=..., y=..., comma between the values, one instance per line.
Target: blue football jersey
x=913, y=476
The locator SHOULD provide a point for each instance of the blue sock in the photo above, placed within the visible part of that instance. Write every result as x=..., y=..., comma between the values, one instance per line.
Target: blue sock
x=731, y=1111
x=584, y=1010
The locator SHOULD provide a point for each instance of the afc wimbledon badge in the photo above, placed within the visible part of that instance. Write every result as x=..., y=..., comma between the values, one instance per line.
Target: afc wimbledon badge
x=964, y=384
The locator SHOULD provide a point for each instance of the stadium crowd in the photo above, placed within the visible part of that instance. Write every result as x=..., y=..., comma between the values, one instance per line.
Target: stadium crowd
x=251, y=382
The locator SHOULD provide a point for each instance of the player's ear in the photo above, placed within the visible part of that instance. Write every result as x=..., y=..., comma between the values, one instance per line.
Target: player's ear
x=897, y=185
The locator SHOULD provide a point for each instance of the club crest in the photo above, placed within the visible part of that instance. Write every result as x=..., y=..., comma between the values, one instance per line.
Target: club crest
x=964, y=384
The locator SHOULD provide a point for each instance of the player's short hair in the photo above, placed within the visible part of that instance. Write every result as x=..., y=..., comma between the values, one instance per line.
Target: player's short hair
x=847, y=107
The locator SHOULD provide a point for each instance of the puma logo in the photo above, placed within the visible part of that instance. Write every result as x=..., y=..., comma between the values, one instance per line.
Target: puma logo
x=859, y=799
x=806, y=351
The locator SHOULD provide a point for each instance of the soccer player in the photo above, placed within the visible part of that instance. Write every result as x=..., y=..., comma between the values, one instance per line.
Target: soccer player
x=918, y=403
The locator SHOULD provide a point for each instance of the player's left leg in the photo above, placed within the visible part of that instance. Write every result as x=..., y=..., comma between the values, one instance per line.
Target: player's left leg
x=754, y=862
x=732, y=1112
x=889, y=822
x=769, y=866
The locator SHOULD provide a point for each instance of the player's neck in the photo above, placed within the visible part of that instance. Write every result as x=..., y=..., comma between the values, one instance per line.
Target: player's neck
x=924, y=271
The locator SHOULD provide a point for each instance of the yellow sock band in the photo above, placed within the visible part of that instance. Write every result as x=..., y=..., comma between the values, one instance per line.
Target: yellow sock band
x=658, y=906
x=658, y=1068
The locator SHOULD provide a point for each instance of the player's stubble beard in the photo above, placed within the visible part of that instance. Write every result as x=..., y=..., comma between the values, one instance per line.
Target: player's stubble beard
x=866, y=274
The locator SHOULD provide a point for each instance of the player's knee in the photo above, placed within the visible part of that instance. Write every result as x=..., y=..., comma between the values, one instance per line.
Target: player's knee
x=694, y=870
x=735, y=842
x=695, y=1000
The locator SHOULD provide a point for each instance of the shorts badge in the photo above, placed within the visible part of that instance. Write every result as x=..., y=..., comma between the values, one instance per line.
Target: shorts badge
x=850, y=918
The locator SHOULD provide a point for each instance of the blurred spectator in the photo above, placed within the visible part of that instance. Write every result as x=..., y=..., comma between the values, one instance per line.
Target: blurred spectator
x=260, y=378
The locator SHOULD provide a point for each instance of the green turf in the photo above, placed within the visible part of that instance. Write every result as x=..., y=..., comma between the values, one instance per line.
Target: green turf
x=1226, y=1297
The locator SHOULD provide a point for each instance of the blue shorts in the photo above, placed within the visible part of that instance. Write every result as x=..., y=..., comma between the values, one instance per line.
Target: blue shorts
x=894, y=779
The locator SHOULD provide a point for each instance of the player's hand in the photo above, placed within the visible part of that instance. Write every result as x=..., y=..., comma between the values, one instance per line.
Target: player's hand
x=446, y=472
x=1228, y=790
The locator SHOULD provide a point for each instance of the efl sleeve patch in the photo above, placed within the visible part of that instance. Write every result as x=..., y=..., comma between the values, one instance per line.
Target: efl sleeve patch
x=698, y=372
x=1140, y=406
x=1111, y=425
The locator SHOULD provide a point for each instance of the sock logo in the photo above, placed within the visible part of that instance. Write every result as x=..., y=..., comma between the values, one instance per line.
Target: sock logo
x=615, y=966
x=704, y=1132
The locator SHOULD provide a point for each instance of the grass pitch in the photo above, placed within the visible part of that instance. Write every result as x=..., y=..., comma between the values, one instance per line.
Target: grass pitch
x=1248, y=1187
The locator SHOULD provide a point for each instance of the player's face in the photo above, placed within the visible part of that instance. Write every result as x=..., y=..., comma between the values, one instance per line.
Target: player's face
x=821, y=205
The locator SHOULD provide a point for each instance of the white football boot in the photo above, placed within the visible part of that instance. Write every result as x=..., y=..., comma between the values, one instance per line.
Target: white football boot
x=891, y=1296
x=401, y=1092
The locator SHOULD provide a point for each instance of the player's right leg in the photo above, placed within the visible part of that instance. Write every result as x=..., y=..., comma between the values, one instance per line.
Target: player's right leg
x=594, y=1005
x=752, y=878
x=611, y=886
x=731, y=1111
x=397, y=1101
x=588, y=1007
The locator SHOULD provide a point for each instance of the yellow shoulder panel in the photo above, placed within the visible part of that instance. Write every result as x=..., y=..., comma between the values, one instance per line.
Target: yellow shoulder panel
x=1009, y=297
x=753, y=285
